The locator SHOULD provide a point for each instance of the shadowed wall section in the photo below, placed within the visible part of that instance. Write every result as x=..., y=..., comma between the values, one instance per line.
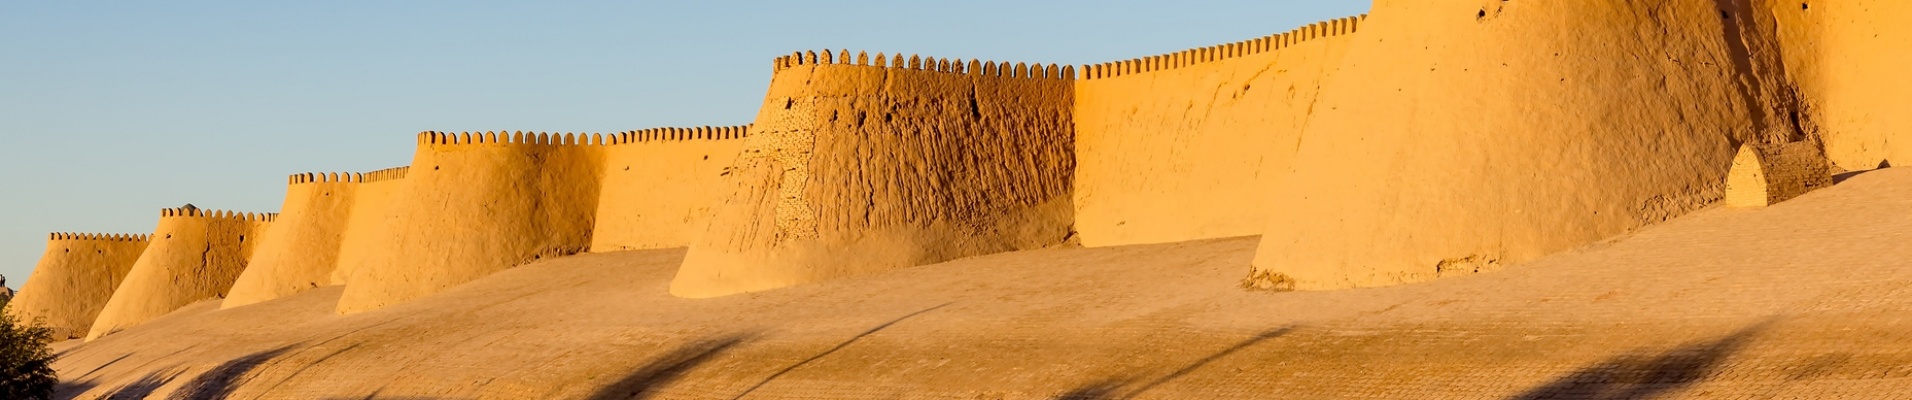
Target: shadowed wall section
x=1462, y=135
x=1185, y=146
x=74, y=279
x=660, y=184
x=302, y=249
x=477, y=203
x=864, y=165
x=193, y=255
x=1849, y=60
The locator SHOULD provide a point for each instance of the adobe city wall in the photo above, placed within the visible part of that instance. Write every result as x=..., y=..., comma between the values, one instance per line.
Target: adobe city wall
x=73, y=280
x=193, y=255
x=302, y=249
x=868, y=164
x=1459, y=138
x=659, y=185
x=475, y=204
x=1446, y=137
x=1187, y=146
x=1847, y=61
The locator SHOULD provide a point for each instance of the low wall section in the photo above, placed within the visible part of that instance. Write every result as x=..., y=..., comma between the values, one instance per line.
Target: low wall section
x=302, y=249
x=659, y=185
x=478, y=203
x=193, y=255
x=73, y=280
x=1186, y=146
x=863, y=164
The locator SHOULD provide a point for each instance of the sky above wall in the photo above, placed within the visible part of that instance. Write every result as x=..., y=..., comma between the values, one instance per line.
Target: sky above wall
x=110, y=111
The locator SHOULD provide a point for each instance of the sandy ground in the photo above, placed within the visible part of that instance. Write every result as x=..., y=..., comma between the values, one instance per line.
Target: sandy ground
x=1810, y=298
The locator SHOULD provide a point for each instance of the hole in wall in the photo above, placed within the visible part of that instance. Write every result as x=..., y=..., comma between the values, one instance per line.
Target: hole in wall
x=1804, y=6
x=1481, y=15
x=242, y=238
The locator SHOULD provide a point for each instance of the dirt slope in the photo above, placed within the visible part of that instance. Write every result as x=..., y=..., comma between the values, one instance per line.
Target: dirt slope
x=1807, y=298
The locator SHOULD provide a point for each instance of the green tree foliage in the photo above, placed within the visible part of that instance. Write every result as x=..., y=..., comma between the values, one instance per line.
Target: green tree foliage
x=26, y=365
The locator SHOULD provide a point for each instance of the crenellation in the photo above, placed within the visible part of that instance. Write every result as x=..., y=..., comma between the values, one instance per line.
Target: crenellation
x=677, y=134
x=192, y=212
x=1206, y=54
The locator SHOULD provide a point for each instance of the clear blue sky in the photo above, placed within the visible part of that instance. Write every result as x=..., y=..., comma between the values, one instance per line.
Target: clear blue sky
x=110, y=111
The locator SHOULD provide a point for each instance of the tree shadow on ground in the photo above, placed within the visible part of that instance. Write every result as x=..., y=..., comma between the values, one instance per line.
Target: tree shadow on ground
x=144, y=386
x=1645, y=376
x=1114, y=388
x=222, y=379
x=766, y=380
x=645, y=381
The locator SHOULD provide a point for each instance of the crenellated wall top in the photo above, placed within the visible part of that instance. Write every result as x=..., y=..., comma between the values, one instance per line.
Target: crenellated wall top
x=679, y=134
x=191, y=212
x=932, y=64
x=1318, y=30
x=349, y=177
x=99, y=237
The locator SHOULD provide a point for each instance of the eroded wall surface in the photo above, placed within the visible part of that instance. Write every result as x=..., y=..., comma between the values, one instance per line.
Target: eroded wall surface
x=660, y=185
x=1186, y=146
x=302, y=249
x=864, y=165
x=1849, y=61
x=475, y=204
x=193, y=255
x=73, y=280
x=1461, y=135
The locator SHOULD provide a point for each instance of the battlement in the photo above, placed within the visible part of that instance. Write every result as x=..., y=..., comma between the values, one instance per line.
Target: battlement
x=1318, y=30
x=514, y=137
x=349, y=177
x=189, y=212
x=671, y=134
x=101, y=237
x=932, y=64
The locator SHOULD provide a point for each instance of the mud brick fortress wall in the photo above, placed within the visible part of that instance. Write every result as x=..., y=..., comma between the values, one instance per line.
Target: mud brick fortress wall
x=1428, y=139
x=193, y=255
x=74, y=278
x=858, y=165
x=1187, y=145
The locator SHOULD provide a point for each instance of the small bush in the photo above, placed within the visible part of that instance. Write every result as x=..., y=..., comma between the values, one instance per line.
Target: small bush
x=26, y=365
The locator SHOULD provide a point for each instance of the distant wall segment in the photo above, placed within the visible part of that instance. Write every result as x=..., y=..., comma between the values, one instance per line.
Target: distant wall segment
x=1187, y=146
x=477, y=203
x=858, y=164
x=302, y=249
x=659, y=185
x=193, y=255
x=74, y=279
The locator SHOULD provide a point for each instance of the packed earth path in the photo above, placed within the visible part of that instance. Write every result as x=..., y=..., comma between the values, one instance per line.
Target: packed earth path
x=1811, y=298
